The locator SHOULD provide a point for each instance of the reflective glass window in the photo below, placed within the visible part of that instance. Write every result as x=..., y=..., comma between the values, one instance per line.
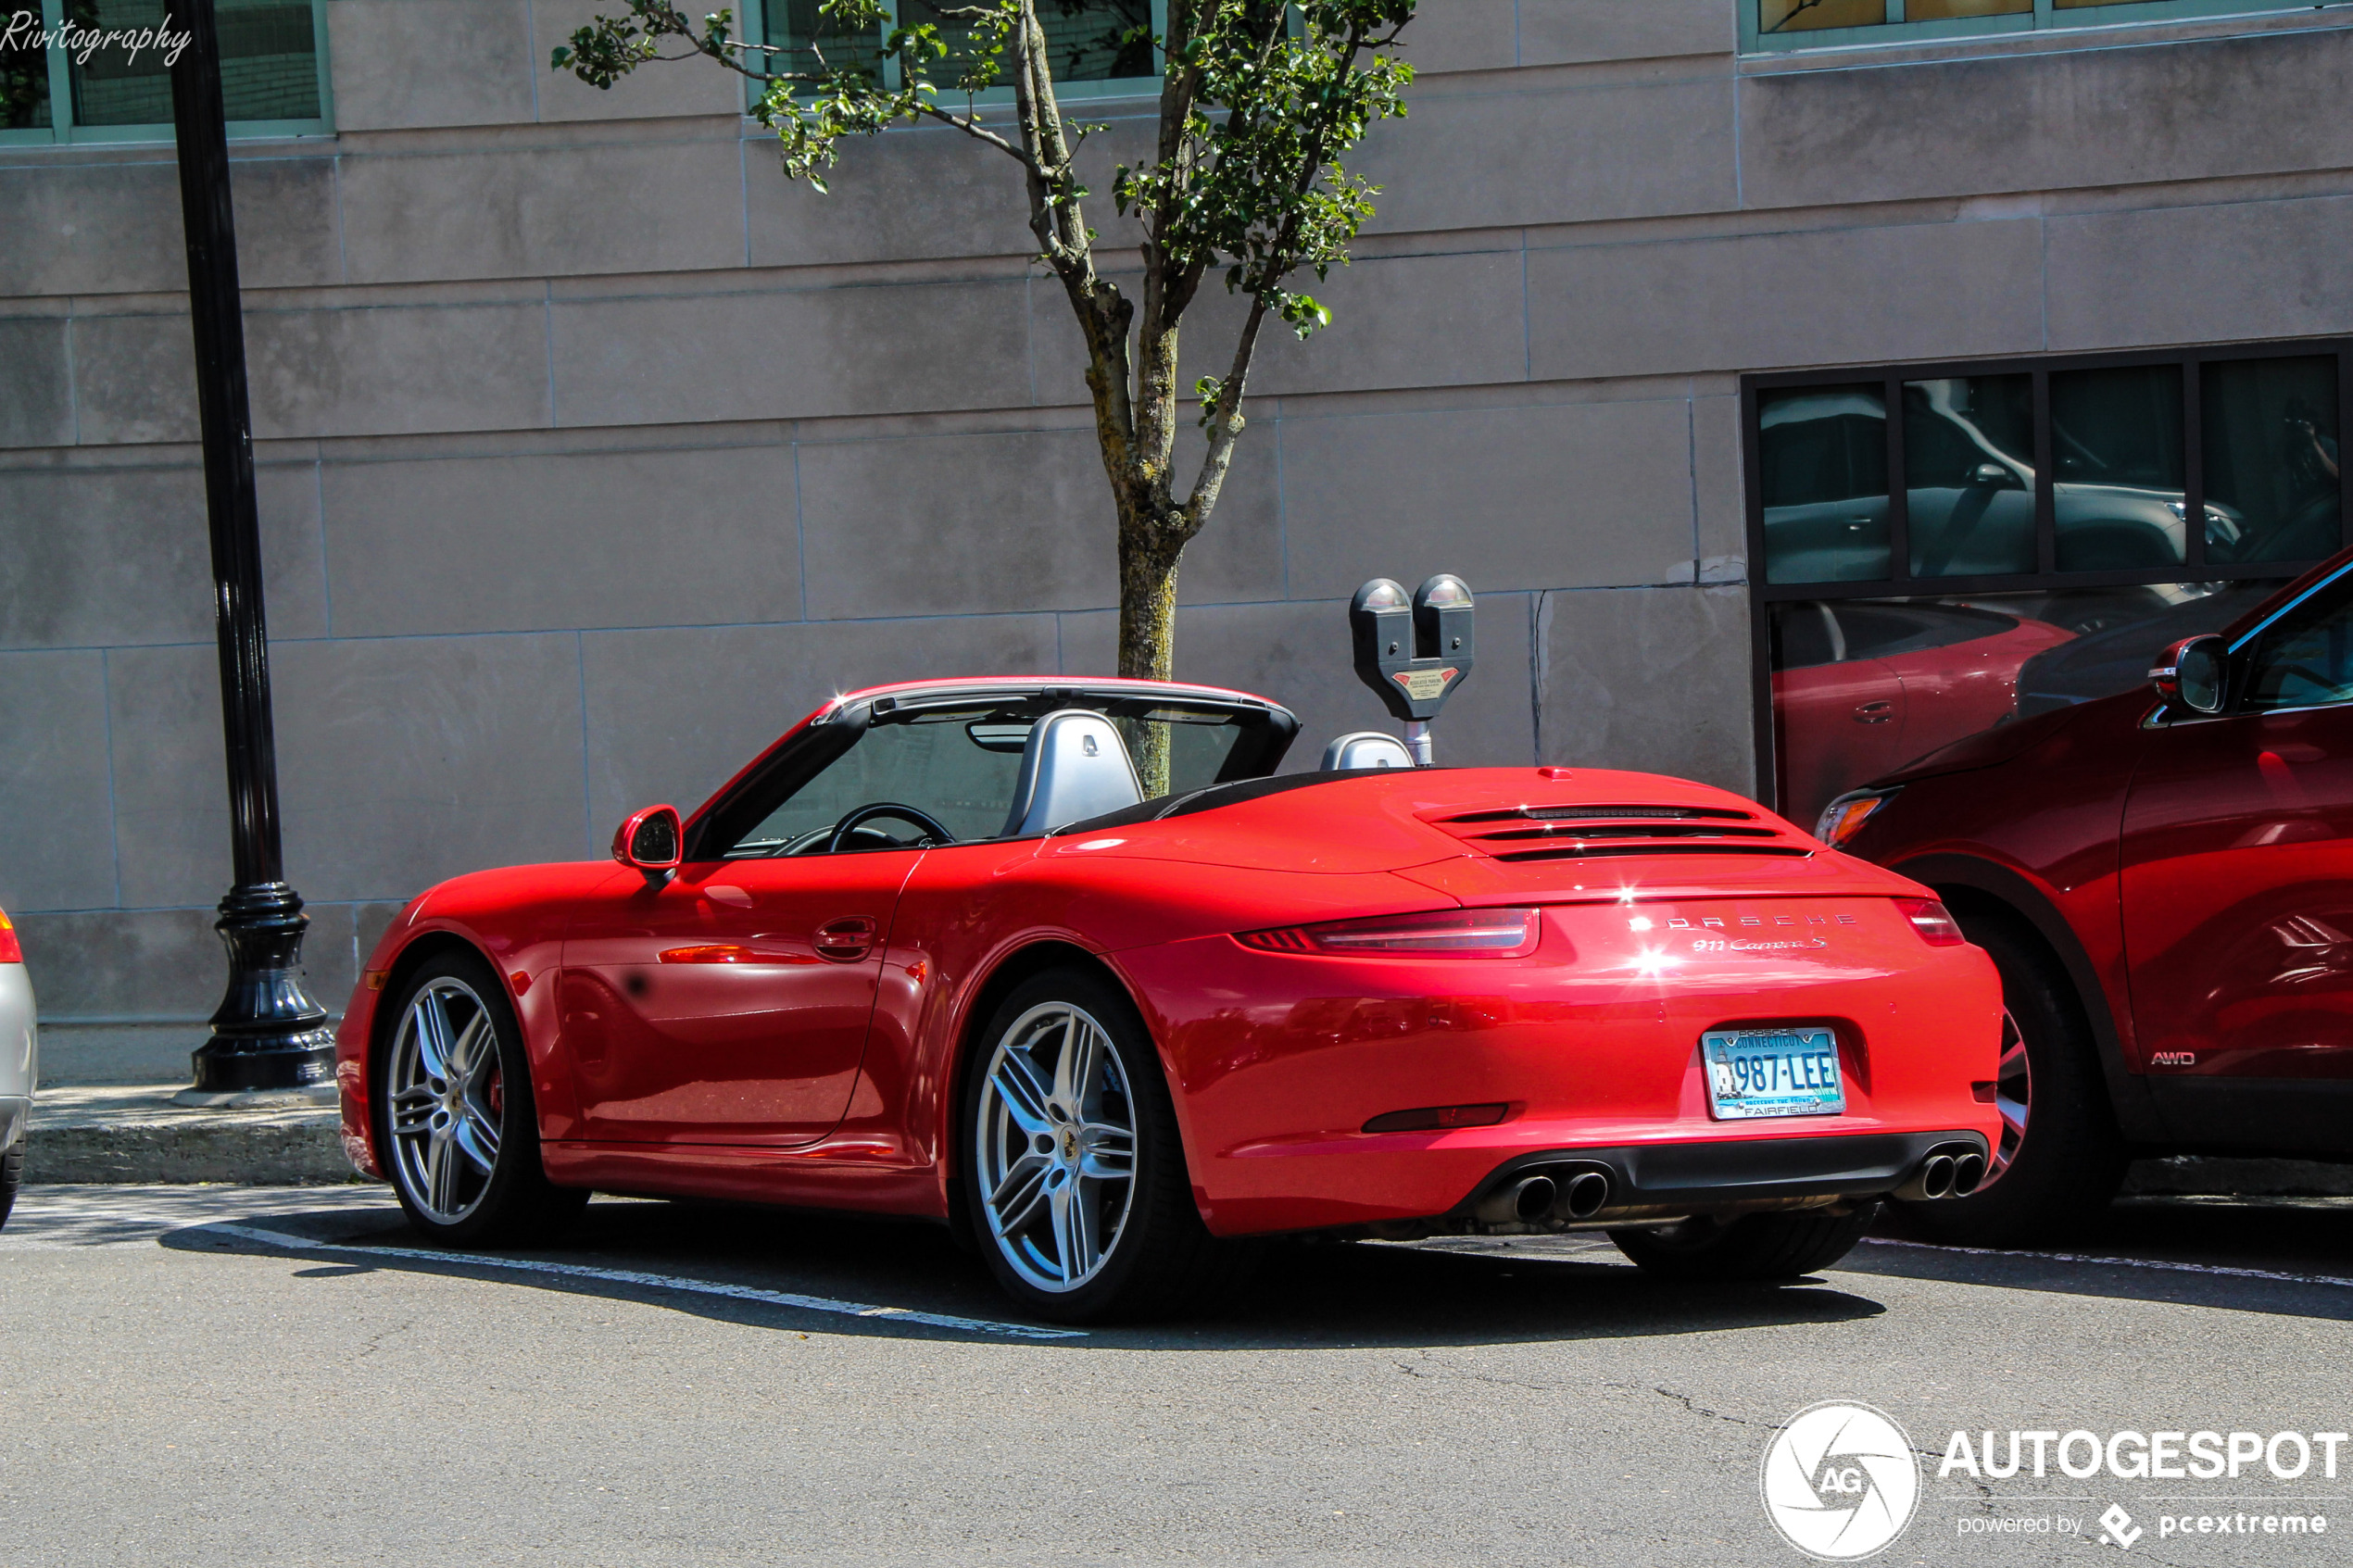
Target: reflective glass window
x=24, y=82
x=2304, y=657
x=2269, y=432
x=815, y=41
x=1822, y=469
x=1799, y=16
x=2117, y=479
x=1968, y=475
x=269, y=63
x=1946, y=10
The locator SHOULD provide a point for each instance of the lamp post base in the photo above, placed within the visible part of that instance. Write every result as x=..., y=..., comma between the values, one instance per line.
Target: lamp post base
x=268, y=1032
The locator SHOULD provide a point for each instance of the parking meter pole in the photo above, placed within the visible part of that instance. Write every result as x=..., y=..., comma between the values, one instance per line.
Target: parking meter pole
x=268, y=1032
x=1417, y=743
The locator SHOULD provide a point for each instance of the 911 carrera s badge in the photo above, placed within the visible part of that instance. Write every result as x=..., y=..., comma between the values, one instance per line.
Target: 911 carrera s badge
x=1425, y=685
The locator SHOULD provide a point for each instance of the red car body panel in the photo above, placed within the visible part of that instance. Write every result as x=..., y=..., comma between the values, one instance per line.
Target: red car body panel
x=1276, y=1059
x=1856, y=720
x=2193, y=875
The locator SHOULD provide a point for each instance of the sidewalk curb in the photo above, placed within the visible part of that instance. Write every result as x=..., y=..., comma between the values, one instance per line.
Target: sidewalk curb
x=118, y=1134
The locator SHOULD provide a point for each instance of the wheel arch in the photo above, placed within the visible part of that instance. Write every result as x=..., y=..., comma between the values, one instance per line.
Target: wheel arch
x=1968, y=885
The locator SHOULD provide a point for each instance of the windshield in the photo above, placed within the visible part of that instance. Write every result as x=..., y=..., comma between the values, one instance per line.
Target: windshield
x=960, y=766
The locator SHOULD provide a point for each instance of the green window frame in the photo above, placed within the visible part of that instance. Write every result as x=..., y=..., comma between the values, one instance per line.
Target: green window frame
x=754, y=28
x=63, y=130
x=1765, y=24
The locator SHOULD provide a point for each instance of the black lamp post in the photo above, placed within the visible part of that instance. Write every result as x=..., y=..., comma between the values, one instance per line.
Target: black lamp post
x=268, y=1032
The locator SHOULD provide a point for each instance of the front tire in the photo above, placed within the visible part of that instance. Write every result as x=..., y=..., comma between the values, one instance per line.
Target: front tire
x=1748, y=1246
x=2060, y=1158
x=1078, y=1197
x=455, y=1116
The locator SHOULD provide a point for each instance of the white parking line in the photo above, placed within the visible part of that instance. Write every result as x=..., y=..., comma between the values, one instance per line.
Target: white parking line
x=657, y=1282
x=2155, y=1263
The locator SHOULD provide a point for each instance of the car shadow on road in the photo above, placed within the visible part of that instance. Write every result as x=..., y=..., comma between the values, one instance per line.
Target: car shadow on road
x=2293, y=1257
x=1325, y=1297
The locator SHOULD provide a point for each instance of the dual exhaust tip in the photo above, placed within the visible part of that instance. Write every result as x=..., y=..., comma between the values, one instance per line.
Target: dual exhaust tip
x=1567, y=1194
x=1953, y=1171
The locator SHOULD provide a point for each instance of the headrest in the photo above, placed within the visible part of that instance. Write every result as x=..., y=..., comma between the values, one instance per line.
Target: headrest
x=1366, y=748
x=1074, y=767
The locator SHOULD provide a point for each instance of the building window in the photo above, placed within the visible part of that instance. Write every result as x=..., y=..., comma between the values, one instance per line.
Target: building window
x=74, y=71
x=1941, y=548
x=1803, y=24
x=1099, y=47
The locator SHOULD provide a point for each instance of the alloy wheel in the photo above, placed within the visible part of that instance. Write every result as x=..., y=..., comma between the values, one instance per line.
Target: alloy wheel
x=446, y=1100
x=2013, y=1096
x=1056, y=1147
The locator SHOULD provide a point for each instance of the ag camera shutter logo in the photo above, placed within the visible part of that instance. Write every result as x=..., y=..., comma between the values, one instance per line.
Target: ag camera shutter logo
x=1839, y=1481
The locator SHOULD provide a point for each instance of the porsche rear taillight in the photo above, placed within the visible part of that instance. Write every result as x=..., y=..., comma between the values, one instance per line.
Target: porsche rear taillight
x=1932, y=920
x=1463, y=934
x=11, y=951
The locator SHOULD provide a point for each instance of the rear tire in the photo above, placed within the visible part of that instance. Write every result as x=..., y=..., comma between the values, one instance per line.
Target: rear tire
x=1749, y=1246
x=12, y=1176
x=1077, y=1192
x=2066, y=1158
x=455, y=1116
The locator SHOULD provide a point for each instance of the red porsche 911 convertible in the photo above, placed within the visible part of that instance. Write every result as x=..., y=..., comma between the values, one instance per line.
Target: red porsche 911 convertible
x=934, y=953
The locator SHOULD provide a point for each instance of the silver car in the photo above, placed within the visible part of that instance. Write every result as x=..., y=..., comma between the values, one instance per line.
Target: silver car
x=19, y=1062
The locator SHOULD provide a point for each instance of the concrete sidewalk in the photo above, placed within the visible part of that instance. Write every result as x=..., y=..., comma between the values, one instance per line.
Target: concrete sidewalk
x=116, y=1132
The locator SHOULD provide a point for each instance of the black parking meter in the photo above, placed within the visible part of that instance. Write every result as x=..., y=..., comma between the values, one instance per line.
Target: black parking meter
x=1413, y=653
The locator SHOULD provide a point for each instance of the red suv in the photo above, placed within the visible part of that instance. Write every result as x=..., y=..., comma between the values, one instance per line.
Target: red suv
x=2165, y=880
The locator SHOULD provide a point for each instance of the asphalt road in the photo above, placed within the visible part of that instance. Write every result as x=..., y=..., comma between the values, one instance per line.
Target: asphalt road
x=217, y=1375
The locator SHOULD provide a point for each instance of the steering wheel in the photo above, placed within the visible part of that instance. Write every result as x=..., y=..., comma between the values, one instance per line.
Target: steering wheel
x=857, y=815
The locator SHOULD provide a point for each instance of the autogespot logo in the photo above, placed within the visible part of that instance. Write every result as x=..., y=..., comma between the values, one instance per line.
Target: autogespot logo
x=1839, y=1481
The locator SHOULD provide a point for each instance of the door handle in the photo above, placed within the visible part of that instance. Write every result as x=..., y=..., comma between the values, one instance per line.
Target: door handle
x=1874, y=712
x=846, y=941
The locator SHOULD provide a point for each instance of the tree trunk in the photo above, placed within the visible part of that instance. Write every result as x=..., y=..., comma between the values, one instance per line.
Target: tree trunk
x=1149, y=553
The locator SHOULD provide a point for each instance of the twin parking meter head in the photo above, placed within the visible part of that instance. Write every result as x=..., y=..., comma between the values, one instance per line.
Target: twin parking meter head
x=1414, y=653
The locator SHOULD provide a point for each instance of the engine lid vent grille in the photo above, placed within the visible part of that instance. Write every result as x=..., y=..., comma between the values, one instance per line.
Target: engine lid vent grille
x=1568, y=832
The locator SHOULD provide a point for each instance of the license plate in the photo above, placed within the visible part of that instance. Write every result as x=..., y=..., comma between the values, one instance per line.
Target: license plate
x=1754, y=1072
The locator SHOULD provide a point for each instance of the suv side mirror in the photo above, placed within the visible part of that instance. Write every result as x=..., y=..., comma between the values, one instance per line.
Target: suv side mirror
x=1993, y=476
x=2193, y=674
x=649, y=840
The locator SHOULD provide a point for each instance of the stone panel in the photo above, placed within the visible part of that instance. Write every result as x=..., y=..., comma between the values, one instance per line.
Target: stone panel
x=375, y=371
x=663, y=205
x=1461, y=36
x=1561, y=152
x=53, y=792
x=399, y=64
x=1571, y=494
x=686, y=87
x=455, y=545
x=36, y=383
x=1569, y=32
x=2247, y=270
x=2064, y=118
x=128, y=963
x=409, y=760
x=1298, y=654
x=916, y=192
x=1652, y=678
x=674, y=714
x=1417, y=321
x=171, y=806
x=92, y=228
x=1771, y=301
x=400, y=761
x=787, y=354
x=1722, y=501
x=113, y=557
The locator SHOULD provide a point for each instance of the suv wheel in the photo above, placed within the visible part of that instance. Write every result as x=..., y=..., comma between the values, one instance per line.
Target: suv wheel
x=2059, y=1158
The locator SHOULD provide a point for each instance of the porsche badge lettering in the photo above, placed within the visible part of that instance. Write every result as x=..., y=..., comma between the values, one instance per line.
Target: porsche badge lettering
x=1423, y=685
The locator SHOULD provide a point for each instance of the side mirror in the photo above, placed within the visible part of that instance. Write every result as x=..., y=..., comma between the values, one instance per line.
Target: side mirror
x=2193, y=674
x=649, y=840
x=1993, y=476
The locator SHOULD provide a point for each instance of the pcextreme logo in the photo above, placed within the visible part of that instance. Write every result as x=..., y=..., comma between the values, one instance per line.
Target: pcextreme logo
x=1839, y=1481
